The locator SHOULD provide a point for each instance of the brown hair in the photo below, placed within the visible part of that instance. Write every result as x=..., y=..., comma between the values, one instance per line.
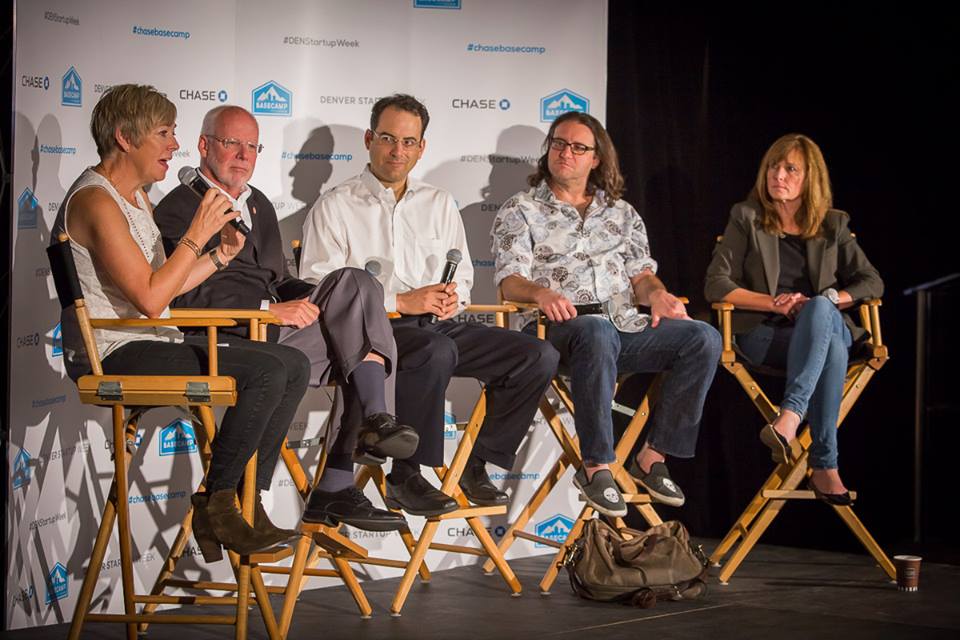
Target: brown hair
x=605, y=176
x=816, y=196
x=135, y=109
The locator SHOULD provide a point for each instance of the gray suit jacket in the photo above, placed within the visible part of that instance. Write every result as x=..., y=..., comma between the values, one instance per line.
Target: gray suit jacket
x=748, y=257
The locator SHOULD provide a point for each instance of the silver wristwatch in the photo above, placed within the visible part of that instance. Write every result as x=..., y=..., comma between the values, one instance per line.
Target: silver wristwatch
x=832, y=295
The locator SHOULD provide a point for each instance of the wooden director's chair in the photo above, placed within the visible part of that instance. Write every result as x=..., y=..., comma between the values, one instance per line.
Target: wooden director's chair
x=781, y=485
x=334, y=546
x=129, y=397
x=570, y=457
x=319, y=541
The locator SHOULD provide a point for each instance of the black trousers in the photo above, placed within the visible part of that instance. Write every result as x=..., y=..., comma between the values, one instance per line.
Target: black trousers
x=516, y=369
x=271, y=380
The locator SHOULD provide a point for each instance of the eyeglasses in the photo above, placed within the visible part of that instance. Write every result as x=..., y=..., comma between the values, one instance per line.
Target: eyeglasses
x=577, y=149
x=233, y=145
x=388, y=140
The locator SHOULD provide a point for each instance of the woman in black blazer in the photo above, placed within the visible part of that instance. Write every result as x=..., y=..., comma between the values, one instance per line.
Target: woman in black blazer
x=790, y=263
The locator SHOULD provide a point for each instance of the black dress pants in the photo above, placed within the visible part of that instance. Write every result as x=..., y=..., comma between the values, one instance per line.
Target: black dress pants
x=516, y=369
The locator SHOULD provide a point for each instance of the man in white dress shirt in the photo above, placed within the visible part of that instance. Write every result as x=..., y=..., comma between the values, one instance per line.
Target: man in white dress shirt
x=408, y=227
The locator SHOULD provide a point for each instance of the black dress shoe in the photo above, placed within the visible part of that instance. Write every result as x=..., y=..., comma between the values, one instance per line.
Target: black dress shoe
x=351, y=507
x=417, y=496
x=381, y=437
x=834, y=499
x=479, y=489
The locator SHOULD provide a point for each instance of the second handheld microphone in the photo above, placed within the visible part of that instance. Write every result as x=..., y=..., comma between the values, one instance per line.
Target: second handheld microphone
x=454, y=256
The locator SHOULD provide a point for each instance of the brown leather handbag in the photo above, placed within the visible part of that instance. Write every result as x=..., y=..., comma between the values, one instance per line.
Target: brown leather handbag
x=636, y=567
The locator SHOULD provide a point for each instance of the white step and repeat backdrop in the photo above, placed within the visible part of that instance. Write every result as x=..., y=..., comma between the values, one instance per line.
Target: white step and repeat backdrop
x=493, y=74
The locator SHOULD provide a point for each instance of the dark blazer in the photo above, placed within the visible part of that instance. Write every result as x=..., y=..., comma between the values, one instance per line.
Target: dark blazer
x=258, y=272
x=748, y=257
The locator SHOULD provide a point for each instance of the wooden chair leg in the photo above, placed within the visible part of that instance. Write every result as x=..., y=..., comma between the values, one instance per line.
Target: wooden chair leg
x=353, y=585
x=107, y=521
x=495, y=556
x=120, y=466
x=533, y=505
x=853, y=522
x=417, y=555
x=551, y=575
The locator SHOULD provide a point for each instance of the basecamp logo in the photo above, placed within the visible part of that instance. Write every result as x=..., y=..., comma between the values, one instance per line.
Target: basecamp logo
x=28, y=208
x=271, y=99
x=449, y=426
x=57, y=585
x=555, y=528
x=72, y=95
x=177, y=437
x=21, y=469
x=57, y=340
x=560, y=102
x=436, y=4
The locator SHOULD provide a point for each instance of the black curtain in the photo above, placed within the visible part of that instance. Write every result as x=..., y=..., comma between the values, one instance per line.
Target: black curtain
x=694, y=100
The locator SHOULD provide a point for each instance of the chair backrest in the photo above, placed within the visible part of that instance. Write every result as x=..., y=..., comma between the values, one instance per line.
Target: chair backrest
x=70, y=293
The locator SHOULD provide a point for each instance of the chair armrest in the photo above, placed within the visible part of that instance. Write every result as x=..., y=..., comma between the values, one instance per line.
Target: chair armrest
x=236, y=314
x=526, y=306
x=162, y=322
x=505, y=307
x=722, y=306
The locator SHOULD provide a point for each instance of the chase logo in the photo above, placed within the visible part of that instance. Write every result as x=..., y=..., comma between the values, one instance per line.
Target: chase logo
x=271, y=99
x=72, y=95
x=555, y=528
x=57, y=342
x=21, y=469
x=177, y=437
x=57, y=585
x=436, y=4
x=449, y=426
x=27, y=209
x=564, y=101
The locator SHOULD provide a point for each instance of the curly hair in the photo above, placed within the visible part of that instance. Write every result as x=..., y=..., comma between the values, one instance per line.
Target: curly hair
x=605, y=176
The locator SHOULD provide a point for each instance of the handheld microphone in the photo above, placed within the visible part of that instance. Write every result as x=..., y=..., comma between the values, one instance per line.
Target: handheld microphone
x=190, y=177
x=373, y=268
x=454, y=256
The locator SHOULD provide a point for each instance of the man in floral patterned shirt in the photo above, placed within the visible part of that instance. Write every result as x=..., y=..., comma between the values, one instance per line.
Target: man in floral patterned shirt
x=571, y=246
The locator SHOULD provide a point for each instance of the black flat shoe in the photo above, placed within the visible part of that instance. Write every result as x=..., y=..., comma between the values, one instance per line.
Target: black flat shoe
x=382, y=437
x=417, y=496
x=834, y=499
x=350, y=506
x=780, y=450
x=479, y=489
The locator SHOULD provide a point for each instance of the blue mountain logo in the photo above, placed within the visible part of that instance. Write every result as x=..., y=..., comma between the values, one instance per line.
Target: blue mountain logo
x=72, y=95
x=560, y=102
x=57, y=342
x=21, y=469
x=58, y=587
x=555, y=528
x=177, y=437
x=28, y=210
x=272, y=99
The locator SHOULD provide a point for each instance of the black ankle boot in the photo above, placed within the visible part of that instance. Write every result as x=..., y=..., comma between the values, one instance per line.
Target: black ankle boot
x=203, y=530
x=231, y=530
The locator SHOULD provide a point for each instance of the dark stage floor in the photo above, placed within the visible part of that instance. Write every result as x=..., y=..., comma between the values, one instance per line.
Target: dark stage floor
x=778, y=593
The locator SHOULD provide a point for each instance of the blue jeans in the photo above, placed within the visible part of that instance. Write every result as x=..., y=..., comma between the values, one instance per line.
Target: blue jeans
x=816, y=347
x=594, y=352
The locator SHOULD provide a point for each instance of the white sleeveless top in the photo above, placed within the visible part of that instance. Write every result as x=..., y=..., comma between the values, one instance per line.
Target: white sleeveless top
x=102, y=296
